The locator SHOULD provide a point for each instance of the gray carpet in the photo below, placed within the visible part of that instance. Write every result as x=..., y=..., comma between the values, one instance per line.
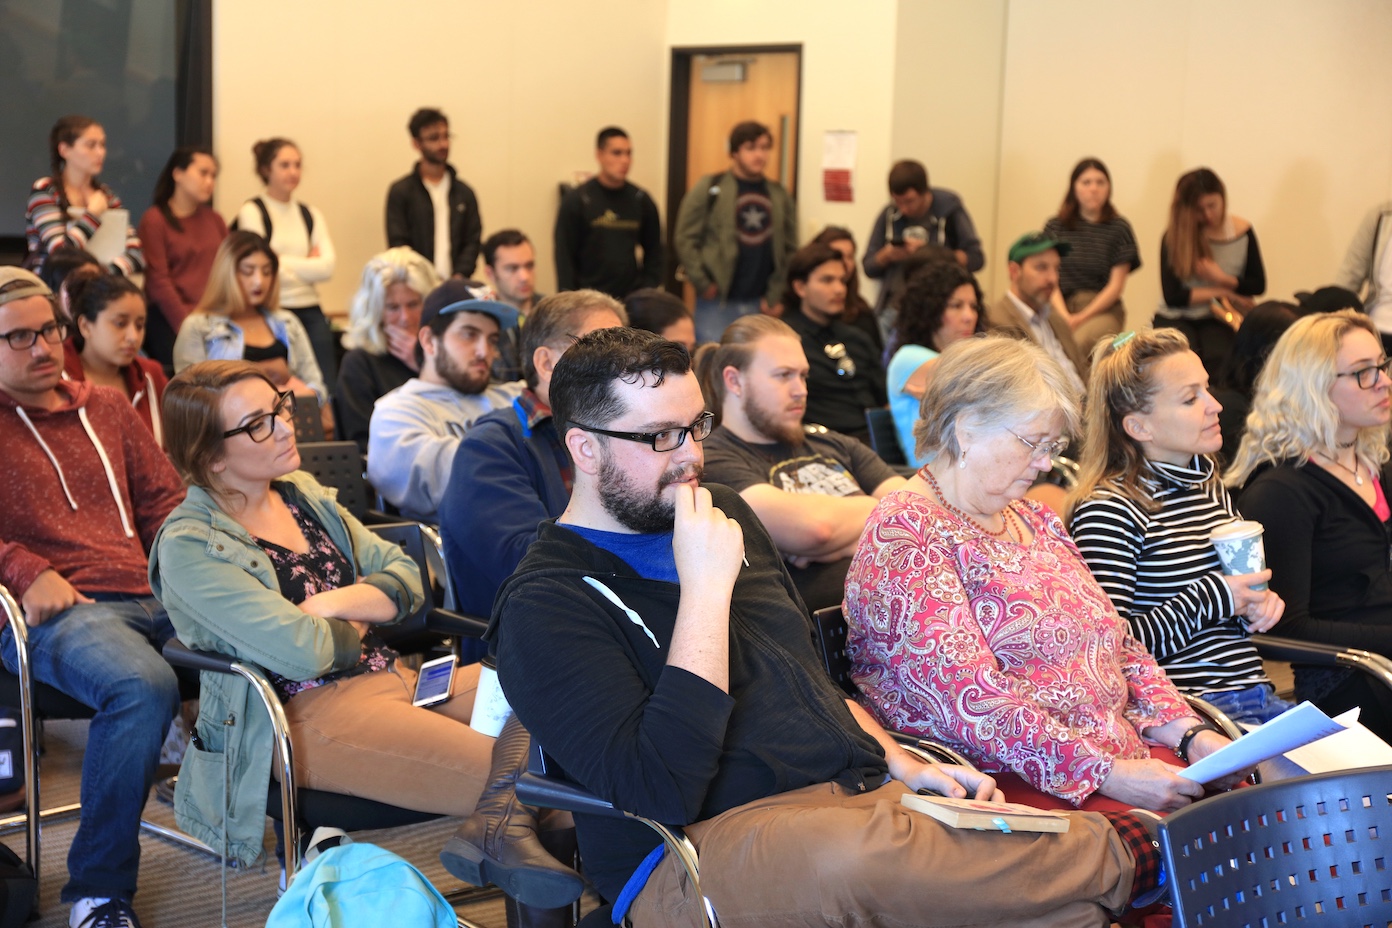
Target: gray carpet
x=179, y=887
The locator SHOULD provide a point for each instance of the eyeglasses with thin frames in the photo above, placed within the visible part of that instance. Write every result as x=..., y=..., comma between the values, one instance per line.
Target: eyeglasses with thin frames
x=665, y=439
x=262, y=427
x=1367, y=377
x=1041, y=449
x=23, y=339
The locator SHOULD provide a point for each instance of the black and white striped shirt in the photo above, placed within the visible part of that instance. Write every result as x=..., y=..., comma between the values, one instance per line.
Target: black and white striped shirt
x=1162, y=574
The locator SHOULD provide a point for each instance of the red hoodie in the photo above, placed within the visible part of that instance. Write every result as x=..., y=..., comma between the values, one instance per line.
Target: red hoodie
x=145, y=383
x=83, y=490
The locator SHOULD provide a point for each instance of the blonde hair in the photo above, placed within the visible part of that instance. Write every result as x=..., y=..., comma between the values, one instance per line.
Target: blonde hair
x=1122, y=384
x=1292, y=415
x=990, y=381
x=399, y=265
x=224, y=297
x=736, y=349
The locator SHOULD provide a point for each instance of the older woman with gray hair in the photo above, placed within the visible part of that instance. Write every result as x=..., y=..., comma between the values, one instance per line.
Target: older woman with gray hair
x=973, y=618
x=381, y=336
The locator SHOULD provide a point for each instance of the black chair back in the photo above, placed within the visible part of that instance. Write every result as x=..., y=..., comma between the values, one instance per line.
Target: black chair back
x=829, y=631
x=411, y=633
x=1284, y=852
x=309, y=425
x=884, y=439
x=338, y=464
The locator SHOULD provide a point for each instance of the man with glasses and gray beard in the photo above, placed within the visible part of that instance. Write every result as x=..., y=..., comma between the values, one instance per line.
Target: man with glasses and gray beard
x=813, y=488
x=846, y=375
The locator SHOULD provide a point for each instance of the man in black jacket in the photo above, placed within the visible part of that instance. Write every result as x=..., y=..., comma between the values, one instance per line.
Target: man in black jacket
x=652, y=642
x=431, y=210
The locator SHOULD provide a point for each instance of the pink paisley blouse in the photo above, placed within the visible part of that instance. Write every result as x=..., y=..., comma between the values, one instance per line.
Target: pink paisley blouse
x=1010, y=653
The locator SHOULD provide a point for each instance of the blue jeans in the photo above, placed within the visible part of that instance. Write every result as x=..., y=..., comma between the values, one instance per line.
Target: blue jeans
x=713, y=316
x=1255, y=705
x=106, y=655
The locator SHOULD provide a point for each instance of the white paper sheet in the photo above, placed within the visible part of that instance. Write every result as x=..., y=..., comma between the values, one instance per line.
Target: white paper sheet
x=1295, y=728
x=1345, y=750
x=109, y=242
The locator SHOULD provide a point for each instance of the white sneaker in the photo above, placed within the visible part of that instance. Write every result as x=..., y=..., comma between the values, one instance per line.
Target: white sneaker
x=102, y=913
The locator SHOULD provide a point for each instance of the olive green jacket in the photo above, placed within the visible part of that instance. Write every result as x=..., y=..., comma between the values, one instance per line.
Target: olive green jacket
x=707, y=245
x=222, y=595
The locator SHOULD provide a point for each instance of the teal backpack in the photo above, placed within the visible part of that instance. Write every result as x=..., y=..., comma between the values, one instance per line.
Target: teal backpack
x=354, y=885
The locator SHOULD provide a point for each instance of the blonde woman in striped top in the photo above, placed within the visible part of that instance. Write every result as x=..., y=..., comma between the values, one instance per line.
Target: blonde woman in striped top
x=1146, y=501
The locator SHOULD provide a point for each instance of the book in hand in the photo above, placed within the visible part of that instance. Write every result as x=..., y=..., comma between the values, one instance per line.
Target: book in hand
x=982, y=815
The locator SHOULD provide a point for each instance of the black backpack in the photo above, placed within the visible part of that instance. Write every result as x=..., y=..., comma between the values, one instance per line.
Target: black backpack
x=17, y=889
x=305, y=214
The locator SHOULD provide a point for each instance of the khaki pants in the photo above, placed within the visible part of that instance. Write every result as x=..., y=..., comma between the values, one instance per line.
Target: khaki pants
x=824, y=855
x=1103, y=325
x=361, y=736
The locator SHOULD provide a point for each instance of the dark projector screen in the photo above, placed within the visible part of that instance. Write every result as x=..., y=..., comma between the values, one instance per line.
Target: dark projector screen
x=113, y=60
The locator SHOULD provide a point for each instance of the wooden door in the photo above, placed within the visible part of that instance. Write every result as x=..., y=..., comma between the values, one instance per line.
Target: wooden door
x=712, y=90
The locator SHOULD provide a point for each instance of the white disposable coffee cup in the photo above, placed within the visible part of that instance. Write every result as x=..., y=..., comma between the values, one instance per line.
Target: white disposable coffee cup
x=1240, y=549
x=491, y=709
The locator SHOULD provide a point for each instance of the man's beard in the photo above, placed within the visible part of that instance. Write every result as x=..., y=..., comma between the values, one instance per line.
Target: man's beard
x=646, y=513
x=457, y=376
x=766, y=424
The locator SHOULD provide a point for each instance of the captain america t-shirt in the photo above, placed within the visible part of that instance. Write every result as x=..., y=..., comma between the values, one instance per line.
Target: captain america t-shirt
x=754, y=232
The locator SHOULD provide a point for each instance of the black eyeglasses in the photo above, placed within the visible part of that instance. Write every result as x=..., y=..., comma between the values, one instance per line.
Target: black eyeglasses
x=665, y=440
x=1365, y=377
x=845, y=365
x=23, y=339
x=263, y=426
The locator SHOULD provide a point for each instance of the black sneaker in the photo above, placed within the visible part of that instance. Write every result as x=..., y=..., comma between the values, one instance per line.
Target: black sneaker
x=114, y=913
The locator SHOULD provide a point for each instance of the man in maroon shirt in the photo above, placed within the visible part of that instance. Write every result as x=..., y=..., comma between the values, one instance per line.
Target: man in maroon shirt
x=83, y=489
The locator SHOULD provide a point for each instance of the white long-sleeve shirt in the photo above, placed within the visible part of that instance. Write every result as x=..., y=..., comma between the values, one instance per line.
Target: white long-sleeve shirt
x=292, y=244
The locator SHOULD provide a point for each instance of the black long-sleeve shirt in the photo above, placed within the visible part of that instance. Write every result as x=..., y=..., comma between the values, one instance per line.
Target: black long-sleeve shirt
x=598, y=231
x=589, y=679
x=1329, y=558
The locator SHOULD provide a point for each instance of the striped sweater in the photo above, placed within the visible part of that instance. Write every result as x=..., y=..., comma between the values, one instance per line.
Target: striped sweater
x=1162, y=574
x=48, y=227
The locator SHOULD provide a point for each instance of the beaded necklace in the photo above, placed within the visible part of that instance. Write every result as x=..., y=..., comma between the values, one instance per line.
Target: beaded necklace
x=1006, y=514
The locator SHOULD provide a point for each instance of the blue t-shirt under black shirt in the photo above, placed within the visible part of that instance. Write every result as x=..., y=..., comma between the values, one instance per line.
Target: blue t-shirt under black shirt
x=651, y=555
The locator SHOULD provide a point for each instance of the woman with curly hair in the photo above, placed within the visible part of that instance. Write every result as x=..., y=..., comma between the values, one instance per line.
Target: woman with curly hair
x=941, y=305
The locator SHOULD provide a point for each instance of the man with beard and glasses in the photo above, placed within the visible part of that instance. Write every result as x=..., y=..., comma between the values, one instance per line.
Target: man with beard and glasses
x=652, y=642
x=431, y=210
x=416, y=428
x=846, y=375
x=811, y=487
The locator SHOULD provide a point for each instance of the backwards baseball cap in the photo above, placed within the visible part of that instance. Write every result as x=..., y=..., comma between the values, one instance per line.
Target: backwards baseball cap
x=462, y=296
x=17, y=284
x=1032, y=243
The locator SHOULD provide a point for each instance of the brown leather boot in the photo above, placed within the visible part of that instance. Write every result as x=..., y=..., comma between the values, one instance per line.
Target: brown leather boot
x=498, y=843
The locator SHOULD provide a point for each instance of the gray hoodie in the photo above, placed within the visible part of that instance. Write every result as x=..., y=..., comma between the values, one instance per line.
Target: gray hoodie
x=415, y=431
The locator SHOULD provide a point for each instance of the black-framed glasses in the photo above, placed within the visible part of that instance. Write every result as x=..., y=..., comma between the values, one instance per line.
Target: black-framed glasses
x=1365, y=377
x=23, y=339
x=1043, y=448
x=845, y=365
x=263, y=426
x=666, y=439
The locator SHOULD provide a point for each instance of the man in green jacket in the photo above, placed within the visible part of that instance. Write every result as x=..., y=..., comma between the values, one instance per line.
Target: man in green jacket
x=735, y=233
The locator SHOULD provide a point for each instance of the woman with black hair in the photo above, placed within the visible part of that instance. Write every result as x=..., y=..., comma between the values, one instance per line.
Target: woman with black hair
x=181, y=234
x=108, y=313
x=941, y=305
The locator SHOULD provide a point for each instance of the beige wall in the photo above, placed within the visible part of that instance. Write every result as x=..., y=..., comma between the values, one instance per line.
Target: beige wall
x=526, y=85
x=847, y=76
x=1285, y=99
x=947, y=91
